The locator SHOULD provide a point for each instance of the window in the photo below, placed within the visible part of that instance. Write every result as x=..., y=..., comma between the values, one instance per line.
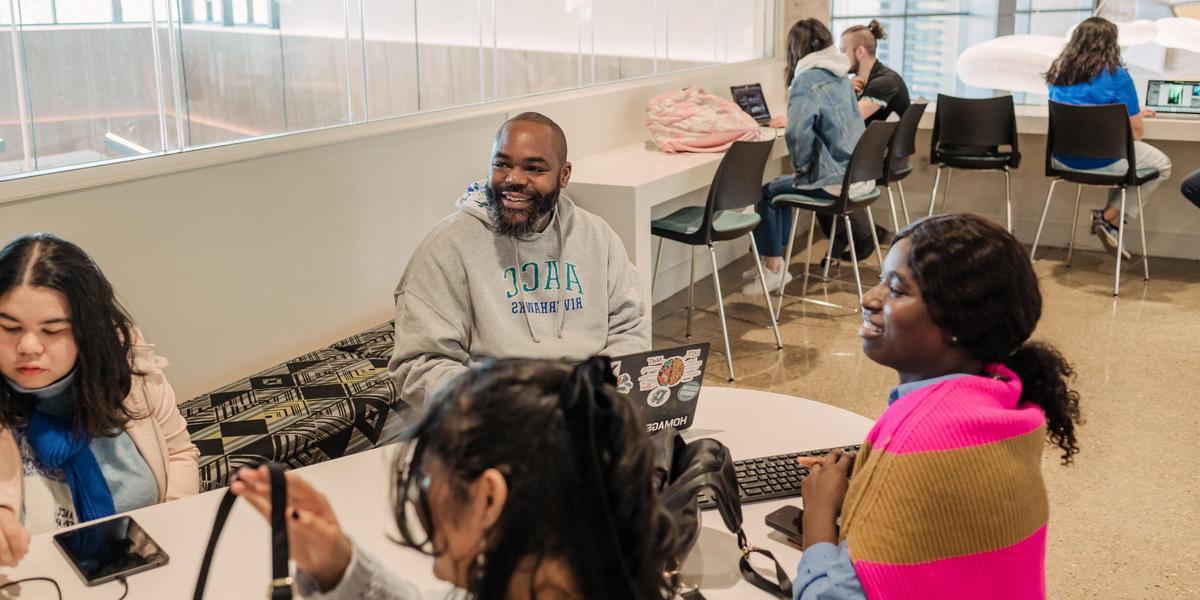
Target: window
x=925, y=37
x=140, y=77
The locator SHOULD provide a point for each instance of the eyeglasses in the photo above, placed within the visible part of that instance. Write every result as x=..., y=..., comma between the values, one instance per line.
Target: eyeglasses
x=413, y=518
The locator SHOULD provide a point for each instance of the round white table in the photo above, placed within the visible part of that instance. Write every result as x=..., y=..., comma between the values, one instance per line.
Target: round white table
x=751, y=423
x=754, y=424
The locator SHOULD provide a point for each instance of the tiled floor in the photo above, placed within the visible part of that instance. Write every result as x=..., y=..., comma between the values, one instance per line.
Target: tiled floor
x=1125, y=518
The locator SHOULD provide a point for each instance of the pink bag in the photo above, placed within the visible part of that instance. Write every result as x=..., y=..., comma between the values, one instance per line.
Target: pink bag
x=691, y=120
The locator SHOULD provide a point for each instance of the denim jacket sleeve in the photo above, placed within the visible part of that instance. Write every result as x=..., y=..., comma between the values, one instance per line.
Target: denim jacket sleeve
x=802, y=116
x=825, y=573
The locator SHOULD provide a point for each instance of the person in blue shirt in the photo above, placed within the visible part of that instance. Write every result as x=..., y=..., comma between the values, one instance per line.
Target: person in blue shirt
x=1089, y=72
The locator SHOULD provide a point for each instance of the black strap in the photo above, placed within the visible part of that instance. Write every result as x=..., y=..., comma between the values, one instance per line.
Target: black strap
x=281, y=582
x=781, y=587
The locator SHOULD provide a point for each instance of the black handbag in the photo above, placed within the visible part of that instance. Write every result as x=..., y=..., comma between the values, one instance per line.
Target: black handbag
x=282, y=585
x=684, y=471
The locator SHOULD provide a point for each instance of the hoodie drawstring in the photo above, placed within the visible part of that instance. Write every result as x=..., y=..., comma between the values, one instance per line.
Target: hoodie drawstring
x=562, y=301
x=521, y=291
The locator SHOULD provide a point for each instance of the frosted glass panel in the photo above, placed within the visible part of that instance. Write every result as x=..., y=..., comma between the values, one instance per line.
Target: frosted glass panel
x=551, y=59
x=389, y=31
x=623, y=36
x=92, y=94
x=98, y=80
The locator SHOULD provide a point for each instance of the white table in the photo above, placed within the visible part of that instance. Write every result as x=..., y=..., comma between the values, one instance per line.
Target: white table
x=1035, y=120
x=621, y=186
x=751, y=423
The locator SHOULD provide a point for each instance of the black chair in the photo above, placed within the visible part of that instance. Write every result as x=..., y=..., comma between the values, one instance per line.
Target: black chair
x=1094, y=132
x=904, y=145
x=867, y=163
x=737, y=184
x=972, y=134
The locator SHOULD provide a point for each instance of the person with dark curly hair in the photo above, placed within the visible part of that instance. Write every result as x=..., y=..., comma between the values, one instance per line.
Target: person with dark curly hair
x=89, y=426
x=947, y=498
x=524, y=479
x=1090, y=72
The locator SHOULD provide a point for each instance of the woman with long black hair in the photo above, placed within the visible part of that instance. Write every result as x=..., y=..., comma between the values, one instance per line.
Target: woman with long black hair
x=89, y=426
x=493, y=484
x=947, y=499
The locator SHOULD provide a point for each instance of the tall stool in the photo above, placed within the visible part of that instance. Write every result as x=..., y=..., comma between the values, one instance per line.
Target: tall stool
x=1094, y=132
x=867, y=163
x=904, y=145
x=969, y=134
x=737, y=184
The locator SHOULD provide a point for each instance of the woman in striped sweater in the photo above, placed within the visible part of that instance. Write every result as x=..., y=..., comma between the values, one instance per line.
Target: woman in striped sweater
x=947, y=498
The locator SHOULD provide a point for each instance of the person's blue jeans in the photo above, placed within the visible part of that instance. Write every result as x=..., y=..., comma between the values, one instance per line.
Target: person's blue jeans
x=771, y=235
x=1191, y=188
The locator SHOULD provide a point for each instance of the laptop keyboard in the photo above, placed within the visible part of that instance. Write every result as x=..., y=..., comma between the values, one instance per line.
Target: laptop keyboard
x=771, y=477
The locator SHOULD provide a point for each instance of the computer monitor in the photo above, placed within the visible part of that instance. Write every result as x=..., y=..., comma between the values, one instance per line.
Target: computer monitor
x=1173, y=97
x=750, y=98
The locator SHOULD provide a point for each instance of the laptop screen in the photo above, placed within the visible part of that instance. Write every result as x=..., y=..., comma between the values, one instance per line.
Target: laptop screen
x=750, y=98
x=1173, y=96
x=664, y=383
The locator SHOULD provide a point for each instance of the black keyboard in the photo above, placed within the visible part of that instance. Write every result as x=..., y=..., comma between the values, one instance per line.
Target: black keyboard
x=771, y=477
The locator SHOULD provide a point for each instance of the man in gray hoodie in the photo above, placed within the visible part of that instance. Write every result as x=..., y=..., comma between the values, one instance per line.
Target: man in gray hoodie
x=518, y=271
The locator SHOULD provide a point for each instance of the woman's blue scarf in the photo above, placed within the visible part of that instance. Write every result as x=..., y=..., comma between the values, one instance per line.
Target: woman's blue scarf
x=58, y=446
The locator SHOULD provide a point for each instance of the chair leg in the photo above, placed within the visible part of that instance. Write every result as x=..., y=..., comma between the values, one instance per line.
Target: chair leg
x=1142, y=227
x=691, y=296
x=1042, y=223
x=895, y=217
x=829, y=254
x=762, y=279
x=937, y=178
x=812, y=228
x=787, y=261
x=1120, y=247
x=1007, y=198
x=712, y=252
x=854, y=258
x=875, y=238
x=903, y=203
x=1074, y=225
x=654, y=276
x=946, y=194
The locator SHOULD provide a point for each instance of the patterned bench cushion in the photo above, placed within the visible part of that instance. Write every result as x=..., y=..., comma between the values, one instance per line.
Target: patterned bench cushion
x=322, y=405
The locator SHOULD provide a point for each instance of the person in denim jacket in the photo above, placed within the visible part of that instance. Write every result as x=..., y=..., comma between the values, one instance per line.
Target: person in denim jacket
x=823, y=125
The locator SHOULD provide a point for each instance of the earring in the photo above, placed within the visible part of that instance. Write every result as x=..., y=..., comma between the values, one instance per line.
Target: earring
x=954, y=339
x=480, y=563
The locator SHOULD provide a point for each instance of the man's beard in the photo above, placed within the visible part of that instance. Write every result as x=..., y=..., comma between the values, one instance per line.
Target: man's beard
x=508, y=221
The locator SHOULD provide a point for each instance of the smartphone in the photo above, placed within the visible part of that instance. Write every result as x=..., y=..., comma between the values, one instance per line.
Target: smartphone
x=104, y=551
x=788, y=521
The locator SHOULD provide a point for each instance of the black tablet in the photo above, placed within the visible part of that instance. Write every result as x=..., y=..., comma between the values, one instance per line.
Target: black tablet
x=105, y=551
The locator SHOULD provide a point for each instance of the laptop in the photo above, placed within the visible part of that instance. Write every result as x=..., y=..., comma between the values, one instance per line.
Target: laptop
x=665, y=383
x=750, y=98
x=1174, y=99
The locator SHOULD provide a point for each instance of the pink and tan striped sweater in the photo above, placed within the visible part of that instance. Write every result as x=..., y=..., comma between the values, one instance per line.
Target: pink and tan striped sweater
x=947, y=499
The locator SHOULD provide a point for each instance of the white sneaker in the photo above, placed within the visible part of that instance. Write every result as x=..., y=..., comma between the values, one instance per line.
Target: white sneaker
x=754, y=288
x=752, y=272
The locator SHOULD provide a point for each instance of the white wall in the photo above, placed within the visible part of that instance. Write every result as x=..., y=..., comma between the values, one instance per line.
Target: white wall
x=233, y=267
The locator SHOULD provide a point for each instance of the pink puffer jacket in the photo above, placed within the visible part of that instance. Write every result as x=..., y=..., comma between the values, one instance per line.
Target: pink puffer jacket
x=691, y=120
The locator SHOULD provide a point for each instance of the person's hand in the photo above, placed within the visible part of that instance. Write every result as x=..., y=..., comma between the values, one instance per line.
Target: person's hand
x=824, y=490
x=315, y=539
x=779, y=121
x=14, y=540
x=1148, y=112
x=858, y=84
